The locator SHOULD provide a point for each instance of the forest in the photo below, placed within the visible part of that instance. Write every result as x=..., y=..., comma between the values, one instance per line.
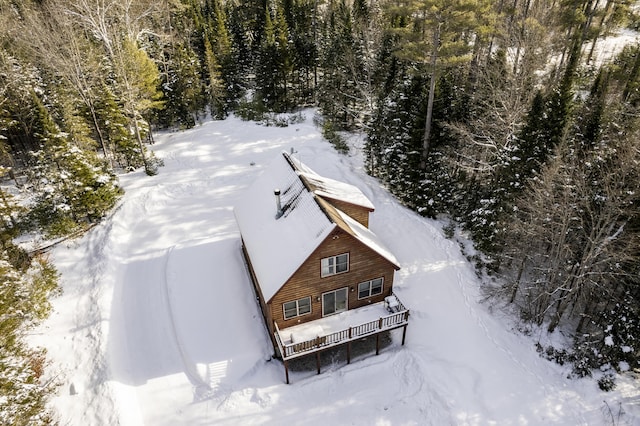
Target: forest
x=503, y=117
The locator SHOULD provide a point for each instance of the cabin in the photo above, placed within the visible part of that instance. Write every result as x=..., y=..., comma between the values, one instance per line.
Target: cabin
x=321, y=276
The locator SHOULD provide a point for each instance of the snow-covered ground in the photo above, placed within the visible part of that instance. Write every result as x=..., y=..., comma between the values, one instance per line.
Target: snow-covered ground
x=158, y=325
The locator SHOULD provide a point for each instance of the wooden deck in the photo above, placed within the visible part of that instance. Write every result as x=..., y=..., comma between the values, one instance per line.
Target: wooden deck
x=396, y=316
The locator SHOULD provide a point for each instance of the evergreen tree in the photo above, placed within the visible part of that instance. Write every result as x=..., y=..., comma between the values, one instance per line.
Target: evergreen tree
x=215, y=89
x=392, y=148
x=223, y=78
x=136, y=85
x=627, y=73
x=11, y=214
x=182, y=89
x=339, y=97
x=543, y=131
x=24, y=293
x=436, y=33
x=242, y=51
x=301, y=21
x=17, y=81
x=71, y=185
x=274, y=63
x=110, y=116
x=525, y=158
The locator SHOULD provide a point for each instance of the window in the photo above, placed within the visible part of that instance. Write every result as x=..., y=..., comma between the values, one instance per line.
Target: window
x=334, y=302
x=334, y=265
x=369, y=288
x=297, y=308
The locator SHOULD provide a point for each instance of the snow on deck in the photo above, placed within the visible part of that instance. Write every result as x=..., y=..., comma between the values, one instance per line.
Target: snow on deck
x=334, y=323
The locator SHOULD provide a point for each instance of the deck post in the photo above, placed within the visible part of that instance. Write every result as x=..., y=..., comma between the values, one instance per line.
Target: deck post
x=286, y=370
x=318, y=361
x=404, y=333
x=349, y=351
x=378, y=336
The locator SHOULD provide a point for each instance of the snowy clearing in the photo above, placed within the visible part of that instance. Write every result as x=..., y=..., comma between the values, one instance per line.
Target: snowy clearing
x=158, y=324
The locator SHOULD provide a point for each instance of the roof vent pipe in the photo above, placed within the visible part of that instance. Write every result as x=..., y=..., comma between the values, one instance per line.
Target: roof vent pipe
x=279, y=211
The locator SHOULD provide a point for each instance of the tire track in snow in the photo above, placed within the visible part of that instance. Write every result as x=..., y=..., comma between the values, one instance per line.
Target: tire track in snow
x=202, y=389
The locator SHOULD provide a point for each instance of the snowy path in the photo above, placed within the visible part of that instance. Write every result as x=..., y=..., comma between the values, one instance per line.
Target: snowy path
x=158, y=324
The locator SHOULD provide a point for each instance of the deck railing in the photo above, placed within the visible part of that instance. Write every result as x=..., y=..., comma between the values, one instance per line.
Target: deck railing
x=293, y=350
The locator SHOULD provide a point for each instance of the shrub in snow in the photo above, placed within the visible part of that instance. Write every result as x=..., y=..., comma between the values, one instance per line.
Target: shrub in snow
x=607, y=382
x=152, y=165
x=330, y=134
x=559, y=356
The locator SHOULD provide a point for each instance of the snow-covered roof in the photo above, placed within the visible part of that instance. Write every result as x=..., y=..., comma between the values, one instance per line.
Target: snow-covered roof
x=330, y=188
x=368, y=238
x=336, y=190
x=278, y=244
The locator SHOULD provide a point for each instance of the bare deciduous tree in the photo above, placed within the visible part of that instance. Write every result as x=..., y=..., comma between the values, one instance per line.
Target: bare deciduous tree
x=571, y=245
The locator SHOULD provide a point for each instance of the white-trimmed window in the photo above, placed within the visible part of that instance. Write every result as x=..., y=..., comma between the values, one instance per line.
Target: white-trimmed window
x=296, y=308
x=334, y=265
x=369, y=288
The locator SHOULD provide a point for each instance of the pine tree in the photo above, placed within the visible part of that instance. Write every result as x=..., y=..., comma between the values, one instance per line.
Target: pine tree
x=393, y=140
x=274, y=63
x=301, y=21
x=25, y=290
x=437, y=34
x=215, y=90
x=342, y=65
x=544, y=130
x=182, y=89
x=111, y=117
x=223, y=73
x=11, y=214
x=243, y=52
x=71, y=185
x=136, y=85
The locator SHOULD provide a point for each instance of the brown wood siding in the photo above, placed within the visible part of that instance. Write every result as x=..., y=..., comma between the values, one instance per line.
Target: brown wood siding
x=364, y=264
x=359, y=213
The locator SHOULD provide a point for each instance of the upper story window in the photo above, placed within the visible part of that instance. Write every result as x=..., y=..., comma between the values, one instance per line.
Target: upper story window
x=297, y=307
x=369, y=288
x=334, y=265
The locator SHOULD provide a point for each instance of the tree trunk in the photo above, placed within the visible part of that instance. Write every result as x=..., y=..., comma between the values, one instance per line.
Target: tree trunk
x=139, y=138
x=432, y=88
x=635, y=71
x=518, y=278
x=599, y=30
x=525, y=14
x=94, y=119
